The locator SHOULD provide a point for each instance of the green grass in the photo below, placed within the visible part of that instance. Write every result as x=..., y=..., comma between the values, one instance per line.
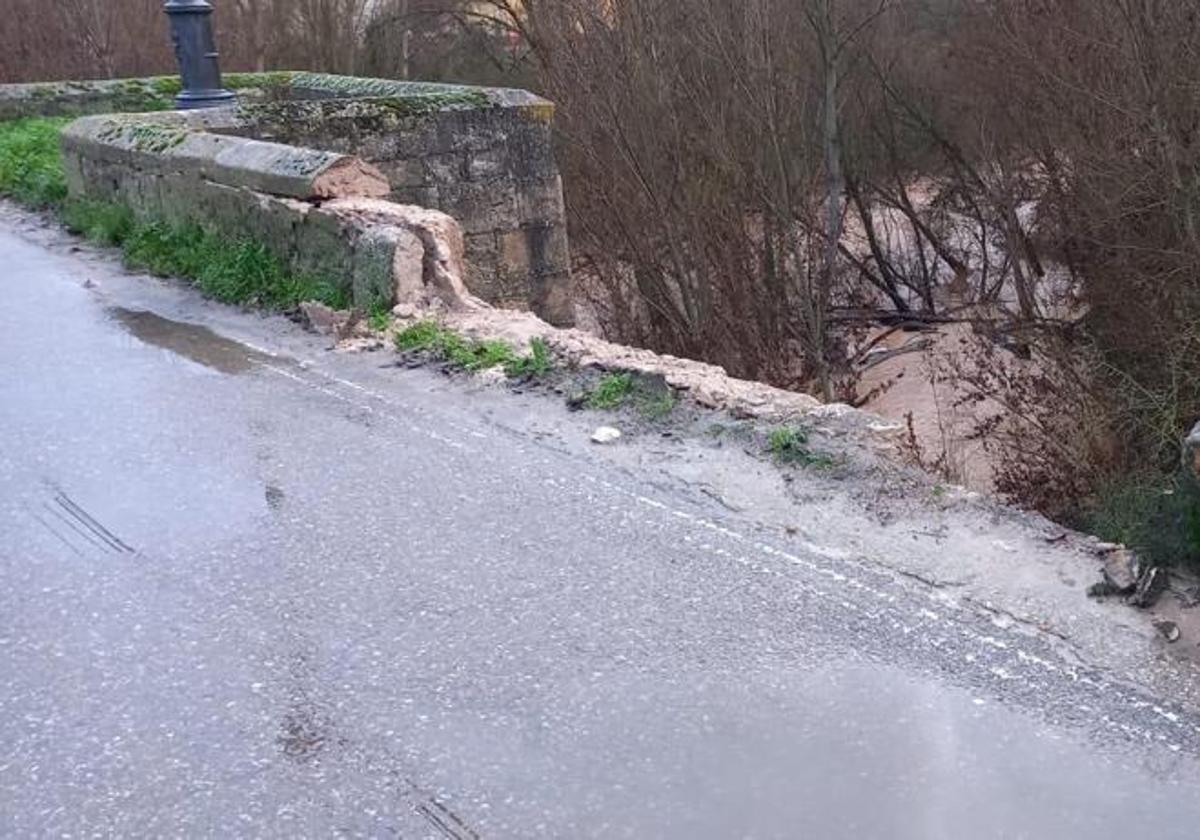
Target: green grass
x=471, y=354
x=31, y=171
x=616, y=390
x=106, y=224
x=240, y=271
x=534, y=366
x=378, y=316
x=612, y=391
x=461, y=352
x=422, y=335
x=789, y=445
x=657, y=406
x=231, y=271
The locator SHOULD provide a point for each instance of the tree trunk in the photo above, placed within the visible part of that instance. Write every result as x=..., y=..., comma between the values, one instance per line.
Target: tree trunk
x=835, y=187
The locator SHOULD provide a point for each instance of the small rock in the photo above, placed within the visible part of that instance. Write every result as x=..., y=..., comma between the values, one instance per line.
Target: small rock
x=606, y=434
x=406, y=311
x=1120, y=570
x=1169, y=630
x=323, y=319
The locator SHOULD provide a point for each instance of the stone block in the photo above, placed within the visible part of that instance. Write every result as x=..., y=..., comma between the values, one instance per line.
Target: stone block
x=541, y=201
x=322, y=248
x=371, y=279
x=487, y=166
x=514, y=251
x=445, y=168
x=404, y=173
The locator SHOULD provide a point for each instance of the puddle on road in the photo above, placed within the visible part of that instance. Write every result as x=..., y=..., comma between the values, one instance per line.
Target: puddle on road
x=191, y=341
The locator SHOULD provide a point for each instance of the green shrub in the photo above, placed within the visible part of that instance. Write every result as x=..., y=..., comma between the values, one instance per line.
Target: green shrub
x=31, y=170
x=1156, y=517
x=789, y=445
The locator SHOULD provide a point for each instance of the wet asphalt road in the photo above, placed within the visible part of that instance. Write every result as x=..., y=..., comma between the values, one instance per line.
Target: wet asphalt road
x=242, y=597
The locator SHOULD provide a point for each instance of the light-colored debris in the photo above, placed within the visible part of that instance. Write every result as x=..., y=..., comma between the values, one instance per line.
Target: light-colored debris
x=491, y=376
x=1120, y=570
x=427, y=276
x=606, y=434
x=348, y=176
x=708, y=385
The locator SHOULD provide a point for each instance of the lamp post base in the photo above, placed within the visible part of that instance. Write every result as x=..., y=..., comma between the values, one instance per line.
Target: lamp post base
x=191, y=100
x=195, y=48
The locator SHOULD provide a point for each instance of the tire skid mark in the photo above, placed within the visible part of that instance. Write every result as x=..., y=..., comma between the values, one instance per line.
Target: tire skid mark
x=77, y=529
x=450, y=824
x=55, y=531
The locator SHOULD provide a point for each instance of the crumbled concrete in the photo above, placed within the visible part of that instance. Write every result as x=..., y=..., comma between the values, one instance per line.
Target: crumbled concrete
x=348, y=177
x=431, y=237
x=709, y=386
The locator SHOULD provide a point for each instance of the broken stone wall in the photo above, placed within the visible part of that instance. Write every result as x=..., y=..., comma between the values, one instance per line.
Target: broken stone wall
x=491, y=166
x=482, y=155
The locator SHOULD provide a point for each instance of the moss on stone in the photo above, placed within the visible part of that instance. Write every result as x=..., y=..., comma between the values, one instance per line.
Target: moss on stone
x=271, y=79
x=542, y=112
x=141, y=136
x=424, y=96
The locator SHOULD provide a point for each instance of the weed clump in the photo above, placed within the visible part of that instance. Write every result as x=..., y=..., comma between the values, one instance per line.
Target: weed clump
x=615, y=390
x=534, y=366
x=473, y=355
x=790, y=445
x=612, y=391
x=105, y=224
x=449, y=346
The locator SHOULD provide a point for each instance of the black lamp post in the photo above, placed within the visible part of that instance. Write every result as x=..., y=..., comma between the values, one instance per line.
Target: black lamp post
x=192, y=34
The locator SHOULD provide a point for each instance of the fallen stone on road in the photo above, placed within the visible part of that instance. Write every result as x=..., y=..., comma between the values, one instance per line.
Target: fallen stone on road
x=606, y=434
